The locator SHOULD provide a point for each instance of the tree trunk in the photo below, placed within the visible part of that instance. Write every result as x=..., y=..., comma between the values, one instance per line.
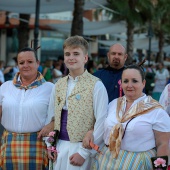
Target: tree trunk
x=161, y=44
x=77, y=23
x=23, y=31
x=130, y=32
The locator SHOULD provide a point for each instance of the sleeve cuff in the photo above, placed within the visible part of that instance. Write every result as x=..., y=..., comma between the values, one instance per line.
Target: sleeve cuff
x=84, y=152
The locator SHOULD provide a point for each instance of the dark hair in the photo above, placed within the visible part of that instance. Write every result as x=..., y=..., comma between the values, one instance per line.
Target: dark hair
x=136, y=67
x=28, y=49
x=90, y=64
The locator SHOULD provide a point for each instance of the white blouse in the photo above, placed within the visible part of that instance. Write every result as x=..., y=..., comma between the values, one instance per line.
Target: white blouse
x=165, y=98
x=24, y=110
x=139, y=135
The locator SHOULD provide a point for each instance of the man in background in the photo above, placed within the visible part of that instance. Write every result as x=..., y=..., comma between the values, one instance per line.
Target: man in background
x=111, y=76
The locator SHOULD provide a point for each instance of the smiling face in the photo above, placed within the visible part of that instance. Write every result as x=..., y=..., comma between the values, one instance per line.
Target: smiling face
x=132, y=84
x=75, y=59
x=117, y=56
x=75, y=54
x=27, y=65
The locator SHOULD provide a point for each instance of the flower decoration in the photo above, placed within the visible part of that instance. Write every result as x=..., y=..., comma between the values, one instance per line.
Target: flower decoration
x=159, y=163
x=52, y=139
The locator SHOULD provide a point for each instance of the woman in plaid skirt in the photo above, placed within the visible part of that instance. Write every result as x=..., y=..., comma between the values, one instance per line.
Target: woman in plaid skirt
x=23, y=111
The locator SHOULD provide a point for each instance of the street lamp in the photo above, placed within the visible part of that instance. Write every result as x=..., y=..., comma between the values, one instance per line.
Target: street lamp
x=36, y=25
x=7, y=23
x=150, y=35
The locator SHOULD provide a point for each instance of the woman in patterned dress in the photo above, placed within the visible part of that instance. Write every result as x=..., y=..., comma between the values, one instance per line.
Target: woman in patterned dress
x=136, y=128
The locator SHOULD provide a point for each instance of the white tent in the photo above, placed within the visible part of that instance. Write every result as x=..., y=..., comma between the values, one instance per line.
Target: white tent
x=46, y=6
x=90, y=28
x=93, y=28
x=117, y=30
x=141, y=43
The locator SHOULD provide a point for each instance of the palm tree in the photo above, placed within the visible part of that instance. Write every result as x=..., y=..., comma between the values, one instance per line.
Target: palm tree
x=23, y=30
x=161, y=25
x=135, y=13
x=77, y=23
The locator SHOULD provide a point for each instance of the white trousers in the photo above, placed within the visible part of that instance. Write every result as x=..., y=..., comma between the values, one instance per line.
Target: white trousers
x=67, y=149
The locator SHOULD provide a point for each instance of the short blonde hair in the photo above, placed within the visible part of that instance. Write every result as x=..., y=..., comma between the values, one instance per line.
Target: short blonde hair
x=76, y=41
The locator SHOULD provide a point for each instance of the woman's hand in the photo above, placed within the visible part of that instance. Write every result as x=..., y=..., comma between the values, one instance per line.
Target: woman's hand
x=86, y=141
x=162, y=143
x=52, y=155
x=46, y=130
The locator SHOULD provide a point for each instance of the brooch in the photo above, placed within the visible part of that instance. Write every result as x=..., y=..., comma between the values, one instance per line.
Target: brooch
x=78, y=96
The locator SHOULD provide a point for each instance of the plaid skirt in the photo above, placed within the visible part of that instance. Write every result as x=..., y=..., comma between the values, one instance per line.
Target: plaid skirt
x=125, y=161
x=22, y=152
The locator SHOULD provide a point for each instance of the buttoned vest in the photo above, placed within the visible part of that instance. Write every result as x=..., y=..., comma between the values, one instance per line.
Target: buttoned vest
x=80, y=117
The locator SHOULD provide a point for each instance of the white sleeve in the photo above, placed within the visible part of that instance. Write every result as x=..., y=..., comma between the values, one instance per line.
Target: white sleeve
x=51, y=112
x=51, y=107
x=110, y=120
x=162, y=121
x=165, y=98
x=100, y=105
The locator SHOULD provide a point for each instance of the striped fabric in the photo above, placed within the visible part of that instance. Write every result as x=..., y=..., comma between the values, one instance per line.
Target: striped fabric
x=22, y=152
x=125, y=160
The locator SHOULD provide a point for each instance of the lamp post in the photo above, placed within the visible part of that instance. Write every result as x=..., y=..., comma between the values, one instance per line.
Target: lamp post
x=36, y=25
x=150, y=35
x=7, y=23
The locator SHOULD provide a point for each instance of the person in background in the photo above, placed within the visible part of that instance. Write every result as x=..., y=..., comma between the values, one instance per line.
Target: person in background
x=2, y=80
x=79, y=102
x=91, y=68
x=57, y=74
x=63, y=67
x=101, y=63
x=15, y=68
x=9, y=70
x=111, y=75
x=150, y=79
x=40, y=68
x=165, y=98
x=24, y=103
x=161, y=79
x=47, y=73
x=136, y=129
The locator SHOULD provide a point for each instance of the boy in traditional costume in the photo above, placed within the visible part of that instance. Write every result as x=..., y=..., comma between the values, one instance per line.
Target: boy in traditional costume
x=79, y=102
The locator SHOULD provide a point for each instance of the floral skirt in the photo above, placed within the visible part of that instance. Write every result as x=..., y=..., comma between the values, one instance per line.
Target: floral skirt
x=22, y=152
x=125, y=161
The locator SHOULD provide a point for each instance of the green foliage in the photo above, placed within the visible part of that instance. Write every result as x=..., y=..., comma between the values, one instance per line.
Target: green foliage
x=133, y=11
x=161, y=17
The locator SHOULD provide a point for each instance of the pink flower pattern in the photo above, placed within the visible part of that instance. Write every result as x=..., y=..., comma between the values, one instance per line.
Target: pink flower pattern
x=160, y=161
x=51, y=134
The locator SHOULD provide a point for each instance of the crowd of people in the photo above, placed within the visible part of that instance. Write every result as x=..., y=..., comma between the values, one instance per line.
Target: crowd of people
x=105, y=119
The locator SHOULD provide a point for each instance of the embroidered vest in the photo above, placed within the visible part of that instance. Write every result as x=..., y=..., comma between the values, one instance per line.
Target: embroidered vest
x=80, y=106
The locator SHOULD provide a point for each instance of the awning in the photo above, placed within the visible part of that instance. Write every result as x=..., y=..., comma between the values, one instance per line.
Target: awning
x=93, y=28
x=46, y=6
x=142, y=43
